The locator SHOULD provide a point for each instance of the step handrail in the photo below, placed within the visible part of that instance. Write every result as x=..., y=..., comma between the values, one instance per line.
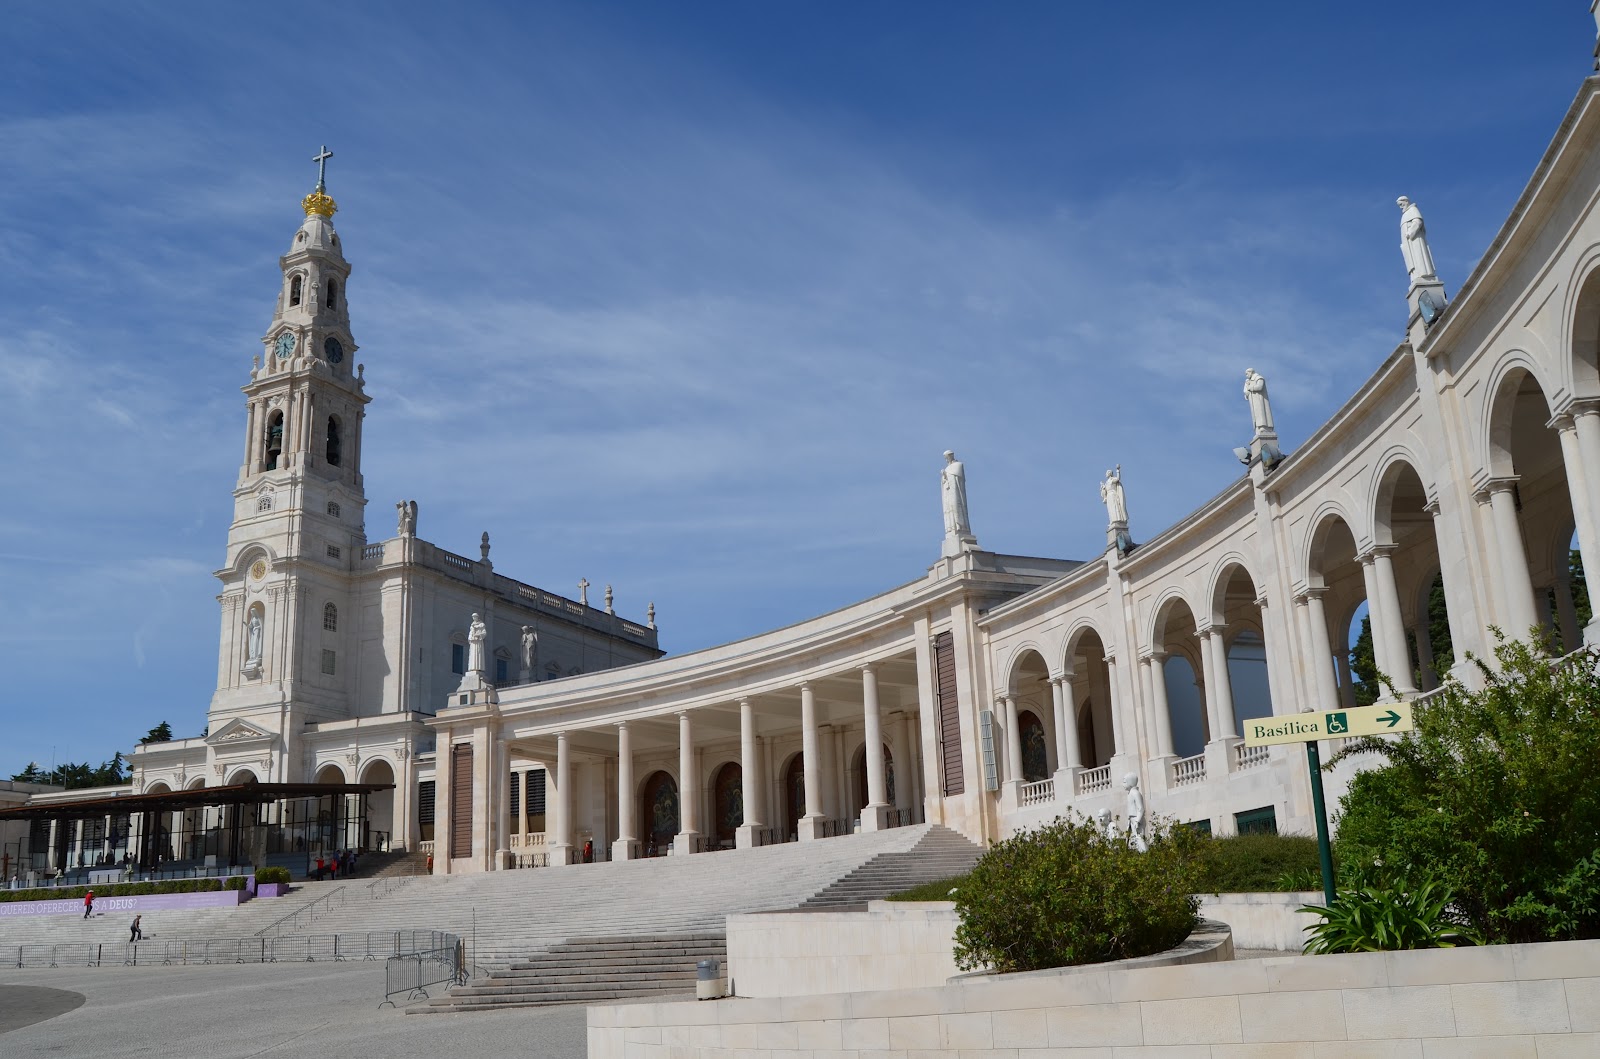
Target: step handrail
x=309, y=910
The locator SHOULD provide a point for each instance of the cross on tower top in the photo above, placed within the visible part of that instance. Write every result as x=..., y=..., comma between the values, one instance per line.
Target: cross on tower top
x=322, y=167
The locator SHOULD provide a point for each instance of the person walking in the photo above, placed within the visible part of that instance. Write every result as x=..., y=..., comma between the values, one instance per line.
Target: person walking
x=88, y=904
x=319, y=869
x=134, y=933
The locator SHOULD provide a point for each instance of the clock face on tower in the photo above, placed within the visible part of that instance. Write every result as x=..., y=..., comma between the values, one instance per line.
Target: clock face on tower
x=333, y=349
x=285, y=344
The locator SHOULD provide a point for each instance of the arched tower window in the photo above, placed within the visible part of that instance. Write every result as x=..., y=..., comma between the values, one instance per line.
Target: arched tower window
x=333, y=508
x=274, y=440
x=265, y=503
x=330, y=617
x=294, y=291
x=333, y=294
x=334, y=440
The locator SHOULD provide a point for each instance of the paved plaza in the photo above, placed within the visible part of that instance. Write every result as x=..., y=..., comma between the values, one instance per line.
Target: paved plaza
x=243, y=1012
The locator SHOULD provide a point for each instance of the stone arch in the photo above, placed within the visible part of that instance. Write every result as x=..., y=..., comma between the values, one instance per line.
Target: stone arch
x=1073, y=641
x=329, y=772
x=793, y=779
x=1090, y=696
x=247, y=557
x=1022, y=667
x=1581, y=335
x=242, y=774
x=1325, y=523
x=1222, y=575
x=1391, y=482
x=858, y=767
x=1163, y=611
x=1515, y=375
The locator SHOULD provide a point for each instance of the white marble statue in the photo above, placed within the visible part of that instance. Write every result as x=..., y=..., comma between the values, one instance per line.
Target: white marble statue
x=1111, y=493
x=650, y=614
x=953, y=494
x=252, y=641
x=1107, y=826
x=609, y=600
x=1414, y=241
x=477, y=634
x=1130, y=783
x=530, y=654
x=408, y=517
x=1255, y=391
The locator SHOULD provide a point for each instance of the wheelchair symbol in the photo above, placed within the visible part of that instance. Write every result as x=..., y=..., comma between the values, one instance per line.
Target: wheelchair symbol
x=1337, y=723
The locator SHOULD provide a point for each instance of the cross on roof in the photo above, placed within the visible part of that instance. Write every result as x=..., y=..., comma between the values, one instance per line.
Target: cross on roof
x=322, y=167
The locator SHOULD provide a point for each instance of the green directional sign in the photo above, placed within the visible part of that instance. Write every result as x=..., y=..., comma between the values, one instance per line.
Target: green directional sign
x=1334, y=724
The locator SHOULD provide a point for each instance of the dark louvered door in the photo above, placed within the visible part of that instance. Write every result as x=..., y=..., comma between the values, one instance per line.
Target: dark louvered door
x=944, y=663
x=461, y=800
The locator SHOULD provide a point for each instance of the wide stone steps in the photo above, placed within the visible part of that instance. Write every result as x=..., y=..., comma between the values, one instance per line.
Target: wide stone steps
x=940, y=854
x=587, y=970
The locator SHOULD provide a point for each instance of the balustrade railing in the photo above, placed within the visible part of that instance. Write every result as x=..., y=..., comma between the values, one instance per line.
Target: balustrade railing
x=452, y=559
x=532, y=840
x=1038, y=792
x=1187, y=770
x=1250, y=756
x=1091, y=781
x=425, y=847
x=372, y=551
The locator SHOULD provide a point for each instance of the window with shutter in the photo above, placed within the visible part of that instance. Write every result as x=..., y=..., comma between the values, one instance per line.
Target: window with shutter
x=461, y=800
x=944, y=663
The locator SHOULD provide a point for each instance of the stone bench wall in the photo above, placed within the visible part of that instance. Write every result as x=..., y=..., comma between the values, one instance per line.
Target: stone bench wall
x=1516, y=1000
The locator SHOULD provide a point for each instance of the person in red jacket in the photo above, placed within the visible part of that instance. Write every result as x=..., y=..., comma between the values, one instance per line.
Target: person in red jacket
x=88, y=904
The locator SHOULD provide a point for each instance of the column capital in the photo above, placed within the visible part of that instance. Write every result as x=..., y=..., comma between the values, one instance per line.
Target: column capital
x=1304, y=597
x=1205, y=632
x=1155, y=655
x=1582, y=406
x=1431, y=507
x=622, y=726
x=744, y=700
x=868, y=667
x=1503, y=484
x=1562, y=422
x=1001, y=699
x=1261, y=601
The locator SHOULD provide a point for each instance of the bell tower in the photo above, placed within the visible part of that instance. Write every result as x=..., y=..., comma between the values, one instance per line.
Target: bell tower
x=298, y=521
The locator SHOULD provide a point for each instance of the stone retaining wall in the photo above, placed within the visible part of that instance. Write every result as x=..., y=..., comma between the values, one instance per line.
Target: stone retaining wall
x=1513, y=1000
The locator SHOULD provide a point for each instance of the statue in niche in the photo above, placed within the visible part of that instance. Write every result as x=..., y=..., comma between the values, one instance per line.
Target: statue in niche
x=530, y=654
x=1130, y=783
x=1414, y=242
x=477, y=634
x=252, y=640
x=408, y=517
x=1255, y=391
x=953, y=493
x=1111, y=493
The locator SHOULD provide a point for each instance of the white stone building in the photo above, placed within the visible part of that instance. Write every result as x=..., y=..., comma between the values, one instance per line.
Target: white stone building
x=986, y=693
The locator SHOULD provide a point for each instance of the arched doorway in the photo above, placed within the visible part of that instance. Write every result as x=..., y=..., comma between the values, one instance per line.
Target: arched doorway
x=727, y=801
x=794, y=790
x=380, y=806
x=1237, y=618
x=659, y=811
x=1035, y=748
x=1088, y=692
x=1178, y=650
x=1336, y=592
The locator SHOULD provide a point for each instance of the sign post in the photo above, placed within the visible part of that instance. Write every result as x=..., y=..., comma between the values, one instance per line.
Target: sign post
x=1310, y=726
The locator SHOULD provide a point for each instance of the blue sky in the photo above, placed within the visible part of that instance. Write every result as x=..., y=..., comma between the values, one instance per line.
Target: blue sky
x=689, y=298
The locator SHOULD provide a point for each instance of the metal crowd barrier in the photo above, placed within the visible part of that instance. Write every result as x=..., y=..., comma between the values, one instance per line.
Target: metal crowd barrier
x=412, y=973
x=309, y=948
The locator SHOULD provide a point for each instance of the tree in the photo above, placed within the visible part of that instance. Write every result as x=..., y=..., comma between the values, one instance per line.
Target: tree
x=1364, y=666
x=161, y=733
x=1580, y=588
x=1493, y=796
x=1363, y=659
x=32, y=774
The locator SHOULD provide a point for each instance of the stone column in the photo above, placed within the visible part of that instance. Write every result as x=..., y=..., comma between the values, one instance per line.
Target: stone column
x=904, y=764
x=1209, y=682
x=908, y=774
x=1347, y=687
x=1319, y=655
x=522, y=806
x=501, y=764
x=1580, y=486
x=559, y=844
x=688, y=839
x=1069, y=703
x=1567, y=611
x=764, y=810
x=744, y=837
x=1520, y=615
x=1383, y=613
x=1012, y=778
x=626, y=845
x=841, y=774
x=1227, y=725
x=875, y=814
x=1430, y=678
x=1156, y=662
x=809, y=826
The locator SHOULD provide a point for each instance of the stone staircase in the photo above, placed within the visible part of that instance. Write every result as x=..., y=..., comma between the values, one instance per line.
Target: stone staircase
x=386, y=865
x=586, y=970
x=939, y=854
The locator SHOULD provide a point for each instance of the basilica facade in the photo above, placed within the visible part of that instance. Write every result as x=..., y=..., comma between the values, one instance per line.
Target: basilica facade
x=988, y=691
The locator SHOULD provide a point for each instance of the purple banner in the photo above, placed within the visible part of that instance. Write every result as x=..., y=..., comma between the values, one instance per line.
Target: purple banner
x=133, y=904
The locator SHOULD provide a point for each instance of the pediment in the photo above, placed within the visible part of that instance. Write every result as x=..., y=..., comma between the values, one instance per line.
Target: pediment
x=236, y=733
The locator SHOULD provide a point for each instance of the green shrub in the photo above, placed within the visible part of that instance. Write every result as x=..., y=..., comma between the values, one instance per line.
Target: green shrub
x=1367, y=919
x=1493, y=795
x=1252, y=863
x=1061, y=895
x=273, y=875
x=234, y=882
x=932, y=891
x=65, y=893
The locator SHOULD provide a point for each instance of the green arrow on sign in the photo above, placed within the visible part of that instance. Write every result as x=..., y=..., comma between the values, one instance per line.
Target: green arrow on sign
x=1391, y=718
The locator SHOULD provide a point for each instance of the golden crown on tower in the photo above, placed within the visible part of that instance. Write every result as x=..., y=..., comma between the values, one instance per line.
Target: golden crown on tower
x=319, y=202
